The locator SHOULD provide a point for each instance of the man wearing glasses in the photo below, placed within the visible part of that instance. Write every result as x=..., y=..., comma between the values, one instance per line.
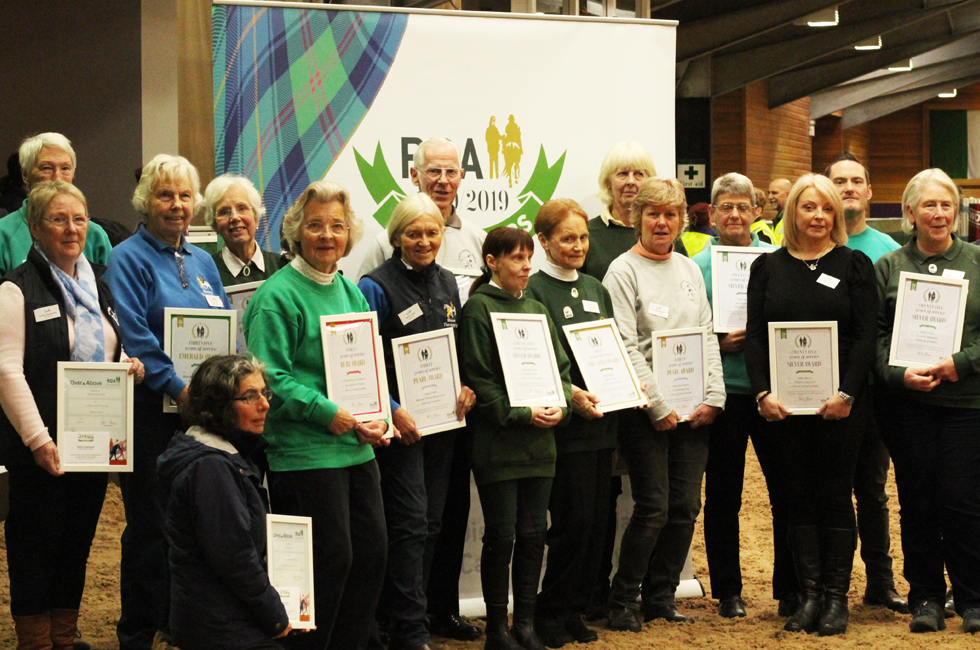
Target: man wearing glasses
x=436, y=171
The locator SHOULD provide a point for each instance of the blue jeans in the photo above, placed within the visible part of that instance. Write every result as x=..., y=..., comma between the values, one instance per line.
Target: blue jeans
x=414, y=481
x=665, y=470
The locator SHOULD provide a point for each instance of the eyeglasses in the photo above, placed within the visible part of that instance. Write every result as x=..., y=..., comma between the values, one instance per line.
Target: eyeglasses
x=252, y=397
x=317, y=227
x=180, y=269
x=62, y=222
x=728, y=208
x=228, y=211
x=435, y=173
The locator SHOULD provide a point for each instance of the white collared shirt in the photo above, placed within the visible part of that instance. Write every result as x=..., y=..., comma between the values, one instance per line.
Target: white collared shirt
x=235, y=265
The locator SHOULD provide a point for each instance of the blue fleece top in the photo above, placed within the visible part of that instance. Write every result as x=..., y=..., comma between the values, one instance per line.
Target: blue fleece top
x=144, y=279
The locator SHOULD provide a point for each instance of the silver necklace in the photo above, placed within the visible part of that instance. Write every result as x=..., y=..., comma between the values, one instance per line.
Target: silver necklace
x=813, y=265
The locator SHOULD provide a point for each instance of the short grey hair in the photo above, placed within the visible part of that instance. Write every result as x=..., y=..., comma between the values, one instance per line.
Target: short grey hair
x=164, y=168
x=624, y=155
x=44, y=193
x=735, y=184
x=912, y=195
x=217, y=189
x=421, y=157
x=410, y=209
x=212, y=392
x=323, y=191
x=30, y=149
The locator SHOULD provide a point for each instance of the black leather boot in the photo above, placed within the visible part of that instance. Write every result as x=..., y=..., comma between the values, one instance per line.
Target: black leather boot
x=528, y=554
x=495, y=579
x=838, y=546
x=805, y=544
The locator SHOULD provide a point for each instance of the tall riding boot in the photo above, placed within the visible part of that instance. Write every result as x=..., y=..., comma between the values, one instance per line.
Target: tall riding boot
x=495, y=579
x=804, y=542
x=33, y=632
x=838, y=559
x=528, y=554
x=64, y=626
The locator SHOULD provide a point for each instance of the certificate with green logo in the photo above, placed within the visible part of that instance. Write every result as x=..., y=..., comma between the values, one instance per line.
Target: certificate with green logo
x=680, y=364
x=730, y=284
x=192, y=335
x=528, y=359
x=929, y=313
x=605, y=366
x=429, y=384
x=804, y=370
x=355, y=365
x=289, y=551
x=95, y=417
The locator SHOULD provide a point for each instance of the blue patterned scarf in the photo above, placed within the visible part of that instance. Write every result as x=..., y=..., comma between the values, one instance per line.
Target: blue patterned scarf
x=82, y=305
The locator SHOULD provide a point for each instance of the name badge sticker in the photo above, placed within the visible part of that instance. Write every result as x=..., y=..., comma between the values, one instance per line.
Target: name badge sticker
x=590, y=306
x=953, y=274
x=42, y=314
x=828, y=281
x=215, y=301
x=410, y=314
x=658, y=310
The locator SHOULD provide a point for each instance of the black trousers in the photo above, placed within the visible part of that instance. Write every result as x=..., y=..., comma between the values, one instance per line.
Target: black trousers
x=870, y=476
x=350, y=548
x=723, y=482
x=49, y=532
x=579, y=507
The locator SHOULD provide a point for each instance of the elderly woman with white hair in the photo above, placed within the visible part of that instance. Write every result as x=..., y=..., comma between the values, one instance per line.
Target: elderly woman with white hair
x=233, y=208
x=412, y=294
x=321, y=459
x=154, y=269
x=44, y=157
x=930, y=415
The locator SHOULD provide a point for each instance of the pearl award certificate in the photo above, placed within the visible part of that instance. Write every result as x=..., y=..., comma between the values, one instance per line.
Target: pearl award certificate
x=289, y=551
x=729, y=285
x=606, y=368
x=803, y=364
x=929, y=313
x=95, y=417
x=428, y=379
x=192, y=335
x=681, y=368
x=528, y=359
x=355, y=365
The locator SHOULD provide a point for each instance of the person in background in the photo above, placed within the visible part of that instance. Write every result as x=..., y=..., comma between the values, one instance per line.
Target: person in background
x=215, y=514
x=778, y=193
x=759, y=226
x=53, y=515
x=154, y=269
x=853, y=181
x=13, y=189
x=929, y=417
x=233, y=208
x=699, y=230
x=44, y=157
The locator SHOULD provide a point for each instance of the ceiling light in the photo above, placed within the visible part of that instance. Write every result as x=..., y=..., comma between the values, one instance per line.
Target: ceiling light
x=824, y=18
x=873, y=43
x=948, y=95
x=901, y=68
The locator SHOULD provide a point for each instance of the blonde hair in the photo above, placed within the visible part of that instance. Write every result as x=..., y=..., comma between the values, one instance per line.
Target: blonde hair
x=912, y=195
x=44, y=193
x=667, y=192
x=826, y=189
x=624, y=155
x=324, y=191
x=410, y=209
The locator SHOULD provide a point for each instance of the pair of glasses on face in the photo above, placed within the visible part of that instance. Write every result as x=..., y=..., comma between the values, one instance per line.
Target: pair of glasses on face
x=228, y=212
x=317, y=227
x=62, y=222
x=728, y=208
x=435, y=173
x=252, y=397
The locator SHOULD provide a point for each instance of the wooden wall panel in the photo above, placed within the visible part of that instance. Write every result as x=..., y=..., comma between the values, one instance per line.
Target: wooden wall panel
x=728, y=134
x=832, y=139
x=896, y=146
x=195, y=96
x=777, y=142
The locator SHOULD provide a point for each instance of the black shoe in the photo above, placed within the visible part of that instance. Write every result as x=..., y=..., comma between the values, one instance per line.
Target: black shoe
x=950, y=609
x=886, y=597
x=623, y=620
x=579, y=632
x=398, y=645
x=667, y=611
x=551, y=631
x=971, y=620
x=788, y=605
x=455, y=627
x=731, y=607
x=79, y=643
x=927, y=616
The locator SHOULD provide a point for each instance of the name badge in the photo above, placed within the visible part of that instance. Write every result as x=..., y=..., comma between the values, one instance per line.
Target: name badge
x=658, y=310
x=590, y=306
x=215, y=301
x=42, y=314
x=828, y=281
x=410, y=314
x=953, y=274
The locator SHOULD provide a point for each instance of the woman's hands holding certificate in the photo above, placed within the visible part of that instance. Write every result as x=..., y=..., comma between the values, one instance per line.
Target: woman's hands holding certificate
x=584, y=404
x=945, y=369
x=407, y=430
x=465, y=402
x=545, y=417
x=703, y=416
x=342, y=422
x=137, y=369
x=834, y=408
x=772, y=409
x=372, y=433
x=925, y=379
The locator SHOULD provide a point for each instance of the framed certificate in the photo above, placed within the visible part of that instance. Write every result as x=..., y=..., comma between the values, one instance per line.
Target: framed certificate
x=238, y=296
x=803, y=366
x=355, y=365
x=95, y=417
x=680, y=364
x=528, y=359
x=192, y=335
x=289, y=549
x=605, y=364
x=929, y=314
x=427, y=371
x=729, y=285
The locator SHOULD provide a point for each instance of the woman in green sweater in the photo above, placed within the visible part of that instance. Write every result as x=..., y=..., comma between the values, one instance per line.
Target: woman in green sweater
x=321, y=459
x=513, y=447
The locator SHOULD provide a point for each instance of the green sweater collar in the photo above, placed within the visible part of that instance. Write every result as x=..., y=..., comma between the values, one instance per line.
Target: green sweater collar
x=912, y=249
x=494, y=292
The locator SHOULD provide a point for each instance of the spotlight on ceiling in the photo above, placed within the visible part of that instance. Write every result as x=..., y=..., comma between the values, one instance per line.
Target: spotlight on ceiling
x=824, y=18
x=900, y=68
x=873, y=43
x=948, y=95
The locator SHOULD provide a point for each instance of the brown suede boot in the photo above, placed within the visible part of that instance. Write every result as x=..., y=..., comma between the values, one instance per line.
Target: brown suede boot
x=33, y=632
x=64, y=629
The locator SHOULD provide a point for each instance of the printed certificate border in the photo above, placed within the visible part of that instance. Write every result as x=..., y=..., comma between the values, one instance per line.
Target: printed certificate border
x=834, y=353
x=442, y=333
x=130, y=388
x=904, y=277
x=169, y=313
x=716, y=324
x=517, y=400
x=685, y=331
x=606, y=323
x=384, y=403
x=270, y=520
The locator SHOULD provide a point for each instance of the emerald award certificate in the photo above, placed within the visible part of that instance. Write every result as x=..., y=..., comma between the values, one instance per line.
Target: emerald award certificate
x=681, y=368
x=192, y=335
x=528, y=359
x=238, y=296
x=355, y=365
x=605, y=365
x=427, y=371
x=803, y=364
x=95, y=417
x=929, y=313
x=289, y=550
x=729, y=285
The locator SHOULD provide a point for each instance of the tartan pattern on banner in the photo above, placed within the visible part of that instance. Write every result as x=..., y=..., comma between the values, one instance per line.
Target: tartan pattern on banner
x=290, y=88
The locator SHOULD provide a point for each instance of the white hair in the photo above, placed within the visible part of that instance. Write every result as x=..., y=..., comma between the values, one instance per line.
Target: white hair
x=217, y=189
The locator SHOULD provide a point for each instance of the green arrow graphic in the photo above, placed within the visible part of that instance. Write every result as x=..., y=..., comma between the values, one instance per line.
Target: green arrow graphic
x=539, y=188
x=381, y=184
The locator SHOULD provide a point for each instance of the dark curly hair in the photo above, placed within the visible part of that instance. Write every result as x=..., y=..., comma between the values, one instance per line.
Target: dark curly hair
x=213, y=388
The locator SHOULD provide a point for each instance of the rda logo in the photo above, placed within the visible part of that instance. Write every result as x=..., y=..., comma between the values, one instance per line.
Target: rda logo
x=742, y=265
x=595, y=341
x=201, y=331
x=931, y=296
x=425, y=354
x=349, y=337
x=803, y=341
x=679, y=349
x=521, y=333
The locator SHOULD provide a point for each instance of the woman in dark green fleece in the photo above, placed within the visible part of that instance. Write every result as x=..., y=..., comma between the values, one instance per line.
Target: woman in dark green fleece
x=579, y=501
x=513, y=448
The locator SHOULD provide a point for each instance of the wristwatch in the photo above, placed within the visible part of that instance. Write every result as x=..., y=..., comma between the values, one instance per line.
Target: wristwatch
x=848, y=399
